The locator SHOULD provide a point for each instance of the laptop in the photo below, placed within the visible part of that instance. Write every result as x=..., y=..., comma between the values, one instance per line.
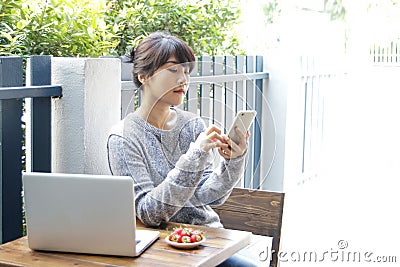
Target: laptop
x=83, y=213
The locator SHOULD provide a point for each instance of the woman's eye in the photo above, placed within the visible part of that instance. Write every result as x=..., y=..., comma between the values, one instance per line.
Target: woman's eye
x=173, y=70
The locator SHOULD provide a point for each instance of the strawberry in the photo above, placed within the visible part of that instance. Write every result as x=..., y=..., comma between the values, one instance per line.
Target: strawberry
x=179, y=239
x=197, y=232
x=195, y=238
x=186, y=232
x=186, y=239
x=173, y=237
x=178, y=231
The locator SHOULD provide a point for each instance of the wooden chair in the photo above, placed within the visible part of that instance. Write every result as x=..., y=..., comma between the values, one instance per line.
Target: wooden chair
x=256, y=211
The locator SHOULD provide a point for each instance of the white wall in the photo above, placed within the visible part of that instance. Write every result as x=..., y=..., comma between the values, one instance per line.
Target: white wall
x=90, y=105
x=297, y=33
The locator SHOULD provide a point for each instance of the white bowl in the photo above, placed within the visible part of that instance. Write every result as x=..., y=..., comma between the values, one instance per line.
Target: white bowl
x=184, y=245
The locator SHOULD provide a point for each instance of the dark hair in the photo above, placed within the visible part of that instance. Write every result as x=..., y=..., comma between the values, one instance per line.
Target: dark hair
x=155, y=50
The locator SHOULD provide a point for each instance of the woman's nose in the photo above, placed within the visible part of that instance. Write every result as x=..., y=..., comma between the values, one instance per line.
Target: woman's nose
x=182, y=79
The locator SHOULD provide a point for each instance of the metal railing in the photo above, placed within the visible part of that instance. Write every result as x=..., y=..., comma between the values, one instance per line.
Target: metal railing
x=386, y=54
x=12, y=96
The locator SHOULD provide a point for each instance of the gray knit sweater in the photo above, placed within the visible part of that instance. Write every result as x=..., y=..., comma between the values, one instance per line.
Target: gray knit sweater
x=173, y=179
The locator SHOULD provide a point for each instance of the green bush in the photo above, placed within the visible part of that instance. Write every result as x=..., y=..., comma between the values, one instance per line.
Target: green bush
x=110, y=27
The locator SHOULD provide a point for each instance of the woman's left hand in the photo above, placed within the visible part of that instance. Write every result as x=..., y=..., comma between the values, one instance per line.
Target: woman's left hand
x=235, y=150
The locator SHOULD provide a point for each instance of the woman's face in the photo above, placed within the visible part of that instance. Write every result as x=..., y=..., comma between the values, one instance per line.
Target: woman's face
x=169, y=83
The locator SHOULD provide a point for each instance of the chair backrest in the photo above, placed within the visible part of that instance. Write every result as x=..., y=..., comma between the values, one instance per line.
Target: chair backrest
x=256, y=211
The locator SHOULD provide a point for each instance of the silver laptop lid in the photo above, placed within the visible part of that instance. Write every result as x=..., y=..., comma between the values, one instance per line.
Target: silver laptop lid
x=80, y=213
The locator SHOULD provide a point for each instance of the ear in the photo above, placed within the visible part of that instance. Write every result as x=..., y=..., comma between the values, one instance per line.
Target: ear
x=142, y=78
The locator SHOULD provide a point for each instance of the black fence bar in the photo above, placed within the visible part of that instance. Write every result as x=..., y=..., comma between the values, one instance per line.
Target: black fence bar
x=40, y=74
x=10, y=152
x=30, y=91
x=257, y=130
x=250, y=104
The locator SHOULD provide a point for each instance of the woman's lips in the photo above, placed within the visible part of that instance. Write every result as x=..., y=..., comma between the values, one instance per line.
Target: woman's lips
x=180, y=91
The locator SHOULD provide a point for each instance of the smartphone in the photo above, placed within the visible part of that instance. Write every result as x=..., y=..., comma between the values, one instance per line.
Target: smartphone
x=243, y=120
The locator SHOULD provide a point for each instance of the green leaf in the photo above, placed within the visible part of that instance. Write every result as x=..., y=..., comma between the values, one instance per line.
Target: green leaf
x=20, y=25
x=7, y=36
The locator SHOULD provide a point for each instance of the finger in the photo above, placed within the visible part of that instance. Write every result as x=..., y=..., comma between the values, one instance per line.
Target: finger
x=222, y=145
x=215, y=137
x=233, y=146
x=240, y=133
x=225, y=148
x=224, y=153
x=220, y=151
x=212, y=128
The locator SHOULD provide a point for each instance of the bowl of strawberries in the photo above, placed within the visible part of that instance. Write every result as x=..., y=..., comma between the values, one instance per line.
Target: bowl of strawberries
x=185, y=238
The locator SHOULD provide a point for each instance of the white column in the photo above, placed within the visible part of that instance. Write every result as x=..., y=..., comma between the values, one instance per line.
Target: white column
x=274, y=120
x=82, y=117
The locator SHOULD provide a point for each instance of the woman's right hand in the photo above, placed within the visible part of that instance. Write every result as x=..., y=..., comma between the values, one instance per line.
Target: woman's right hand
x=211, y=138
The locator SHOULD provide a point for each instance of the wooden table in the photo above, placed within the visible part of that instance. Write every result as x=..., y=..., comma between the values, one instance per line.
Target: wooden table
x=220, y=245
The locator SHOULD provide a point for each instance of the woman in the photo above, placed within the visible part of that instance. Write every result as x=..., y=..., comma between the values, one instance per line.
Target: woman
x=167, y=150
